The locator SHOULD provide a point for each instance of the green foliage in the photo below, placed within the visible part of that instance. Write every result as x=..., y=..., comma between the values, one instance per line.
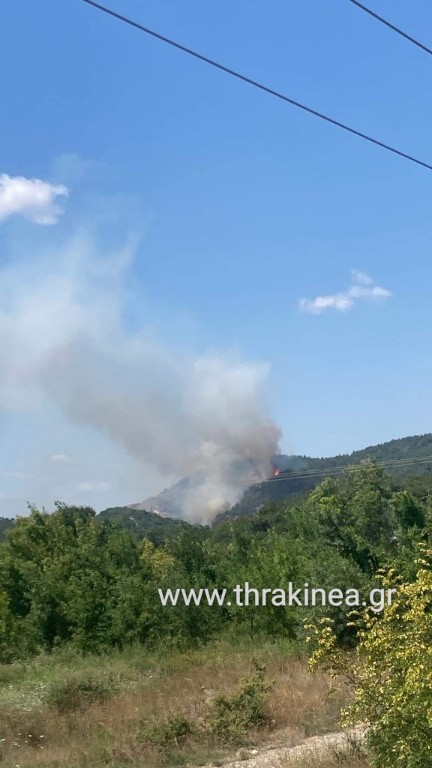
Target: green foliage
x=5, y=525
x=408, y=510
x=392, y=671
x=302, y=473
x=141, y=523
x=75, y=694
x=8, y=631
x=74, y=578
x=233, y=716
x=229, y=718
x=173, y=732
x=69, y=577
x=355, y=515
x=395, y=675
x=75, y=583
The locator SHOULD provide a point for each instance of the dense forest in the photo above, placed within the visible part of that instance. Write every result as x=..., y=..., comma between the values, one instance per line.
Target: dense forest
x=74, y=577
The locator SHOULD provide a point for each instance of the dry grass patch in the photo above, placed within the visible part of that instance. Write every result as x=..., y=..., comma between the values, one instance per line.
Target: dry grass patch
x=169, y=696
x=338, y=761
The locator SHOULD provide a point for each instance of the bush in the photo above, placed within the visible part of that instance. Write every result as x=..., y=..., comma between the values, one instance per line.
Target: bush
x=229, y=718
x=232, y=716
x=75, y=694
x=173, y=732
x=392, y=672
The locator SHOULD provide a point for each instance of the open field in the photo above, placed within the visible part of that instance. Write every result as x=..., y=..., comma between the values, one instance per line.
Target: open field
x=130, y=709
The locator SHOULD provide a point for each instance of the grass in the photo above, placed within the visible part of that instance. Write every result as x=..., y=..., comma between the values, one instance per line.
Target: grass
x=135, y=709
x=338, y=761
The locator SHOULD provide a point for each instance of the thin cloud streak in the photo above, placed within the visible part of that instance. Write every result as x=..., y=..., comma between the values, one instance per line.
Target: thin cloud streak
x=94, y=486
x=60, y=458
x=362, y=288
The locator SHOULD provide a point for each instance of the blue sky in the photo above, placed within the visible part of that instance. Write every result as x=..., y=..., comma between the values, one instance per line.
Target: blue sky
x=236, y=207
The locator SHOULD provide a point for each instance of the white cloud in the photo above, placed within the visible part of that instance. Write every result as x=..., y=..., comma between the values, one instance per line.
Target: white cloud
x=61, y=458
x=361, y=278
x=94, y=486
x=19, y=475
x=362, y=288
x=34, y=199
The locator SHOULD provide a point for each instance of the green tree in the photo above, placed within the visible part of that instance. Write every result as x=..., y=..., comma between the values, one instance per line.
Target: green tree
x=355, y=515
x=392, y=671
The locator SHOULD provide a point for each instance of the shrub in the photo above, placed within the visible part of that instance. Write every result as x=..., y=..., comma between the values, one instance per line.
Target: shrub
x=75, y=694
x=392, y=672
x=173, y=732
x=232, y=716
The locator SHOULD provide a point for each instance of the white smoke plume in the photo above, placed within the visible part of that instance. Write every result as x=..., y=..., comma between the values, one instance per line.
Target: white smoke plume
x=63, y=339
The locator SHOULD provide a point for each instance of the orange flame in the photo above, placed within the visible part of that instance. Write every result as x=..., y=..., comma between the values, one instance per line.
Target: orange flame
x=276, y=472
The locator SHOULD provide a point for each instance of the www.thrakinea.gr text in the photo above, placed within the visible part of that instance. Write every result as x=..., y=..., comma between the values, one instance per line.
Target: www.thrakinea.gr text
x=245, y=596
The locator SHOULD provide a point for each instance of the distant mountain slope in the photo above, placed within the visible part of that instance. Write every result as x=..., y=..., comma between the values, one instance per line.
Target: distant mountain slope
x=143, y=522
x=407, y=456
x=170, y=501
x=158, y=517
x=405, y=448
x=299, y=474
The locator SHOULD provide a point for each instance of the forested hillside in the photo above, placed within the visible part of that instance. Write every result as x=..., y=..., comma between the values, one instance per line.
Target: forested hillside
x=416, y=449
x=402, y=458
x=141, y=523
x=74, y=577
x=407, y=460
x=408, y=456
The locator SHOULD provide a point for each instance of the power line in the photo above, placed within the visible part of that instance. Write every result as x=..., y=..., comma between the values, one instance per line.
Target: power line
x=392, y=26
x=256, y=84
x=387, y=463
x=325, y=472
x=287, y=476
x=319, y=473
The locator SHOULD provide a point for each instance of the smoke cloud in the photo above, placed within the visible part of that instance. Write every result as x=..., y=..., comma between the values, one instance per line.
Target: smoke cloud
x=64, y=340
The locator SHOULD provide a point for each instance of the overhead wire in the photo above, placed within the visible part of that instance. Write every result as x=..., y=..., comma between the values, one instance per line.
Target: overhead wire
x=256, y=84
x=391, y=26
x=324, y=472
x=319, y=472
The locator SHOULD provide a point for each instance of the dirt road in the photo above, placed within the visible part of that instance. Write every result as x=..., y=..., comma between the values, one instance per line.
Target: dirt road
x=316, y=746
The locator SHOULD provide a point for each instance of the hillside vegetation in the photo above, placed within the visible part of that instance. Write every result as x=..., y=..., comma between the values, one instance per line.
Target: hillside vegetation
x=408, y=461
x=143, y=523
x=403, y=458
x=96, y=671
